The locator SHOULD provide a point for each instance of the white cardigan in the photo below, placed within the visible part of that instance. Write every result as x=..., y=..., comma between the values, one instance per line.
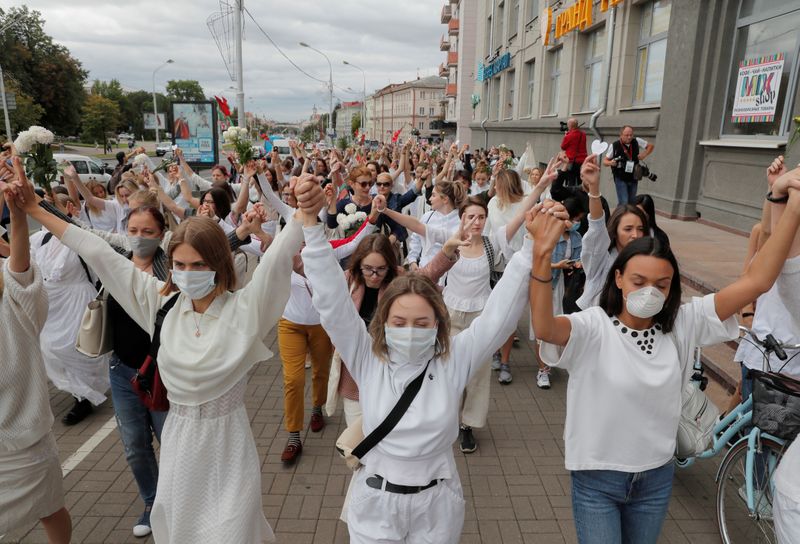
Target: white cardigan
x=419, y=449
x=597, y=261
x=194, y=369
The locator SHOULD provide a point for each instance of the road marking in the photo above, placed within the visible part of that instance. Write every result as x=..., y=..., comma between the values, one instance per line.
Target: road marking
x=87, y=447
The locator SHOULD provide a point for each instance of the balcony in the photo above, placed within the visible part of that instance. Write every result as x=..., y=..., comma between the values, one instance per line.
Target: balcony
x=452, y=27
x=444, y=45
x=450, y=90
x=444, y=71
x=446, y=13
x=452, y=58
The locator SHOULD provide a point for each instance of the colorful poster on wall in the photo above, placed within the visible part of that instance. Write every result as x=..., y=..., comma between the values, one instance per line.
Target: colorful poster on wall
x=194, y=131
x=757, y=88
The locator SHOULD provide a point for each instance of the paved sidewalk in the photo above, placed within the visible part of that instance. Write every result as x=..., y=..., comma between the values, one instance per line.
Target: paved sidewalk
x=515, y=484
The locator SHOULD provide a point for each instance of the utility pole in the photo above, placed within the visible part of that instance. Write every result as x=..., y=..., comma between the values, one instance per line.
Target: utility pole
x=237, y=39
x=5, y=106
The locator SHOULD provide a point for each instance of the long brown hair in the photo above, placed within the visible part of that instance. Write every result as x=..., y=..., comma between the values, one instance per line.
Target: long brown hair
x=207, y=238
x=453, y=190
x=617, y=216
x=415, y=284
x=508, y=187
x=374, y=243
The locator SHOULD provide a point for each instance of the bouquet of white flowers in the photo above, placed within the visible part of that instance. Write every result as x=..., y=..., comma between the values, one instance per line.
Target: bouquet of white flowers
x=139, y=162
x=352, y=220
x=240, y=139
x=34, y=147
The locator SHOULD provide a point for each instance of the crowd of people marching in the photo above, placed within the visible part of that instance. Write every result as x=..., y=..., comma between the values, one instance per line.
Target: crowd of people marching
x=399, y=275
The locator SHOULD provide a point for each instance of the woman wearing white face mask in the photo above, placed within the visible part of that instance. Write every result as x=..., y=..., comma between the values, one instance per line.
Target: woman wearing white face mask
x=628, y=362
x=408, y=489
x=209, y=486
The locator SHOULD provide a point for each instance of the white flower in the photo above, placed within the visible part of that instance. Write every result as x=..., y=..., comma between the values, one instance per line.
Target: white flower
x=360, y=216
x=25, y=141
x=351, y=208
x=41, y=135
x=340, y=219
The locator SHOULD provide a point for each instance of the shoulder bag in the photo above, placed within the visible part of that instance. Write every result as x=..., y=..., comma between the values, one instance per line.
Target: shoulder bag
x=352, y=445
x=147, y=380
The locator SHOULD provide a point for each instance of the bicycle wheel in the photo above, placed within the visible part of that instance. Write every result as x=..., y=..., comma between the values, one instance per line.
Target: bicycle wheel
x=736, y=524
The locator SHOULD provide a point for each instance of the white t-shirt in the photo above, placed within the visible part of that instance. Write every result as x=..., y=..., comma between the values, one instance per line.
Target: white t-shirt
x=624, y=389
x=110, y=219
x=299, y=309
x=640, y=141
x=776, y=314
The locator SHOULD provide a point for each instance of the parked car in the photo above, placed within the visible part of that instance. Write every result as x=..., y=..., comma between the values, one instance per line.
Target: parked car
x=88, y=168
x=164, y=148
x=124, y=137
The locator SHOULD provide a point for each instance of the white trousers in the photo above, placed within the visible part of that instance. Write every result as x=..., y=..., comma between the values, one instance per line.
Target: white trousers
x=787, y=518
x=432, y=516
x=475, y=406
x=352, y=410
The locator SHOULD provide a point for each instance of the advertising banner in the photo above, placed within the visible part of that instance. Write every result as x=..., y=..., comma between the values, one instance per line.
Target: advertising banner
x=757, y=88
x=150, y=121
x=194, y=130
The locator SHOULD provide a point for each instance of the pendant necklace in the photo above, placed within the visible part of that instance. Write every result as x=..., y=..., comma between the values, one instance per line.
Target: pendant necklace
x=197, y=332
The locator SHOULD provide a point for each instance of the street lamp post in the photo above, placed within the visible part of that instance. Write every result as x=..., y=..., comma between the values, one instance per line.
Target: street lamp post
x=330, y=86
x=363, y=93
x=155, y=107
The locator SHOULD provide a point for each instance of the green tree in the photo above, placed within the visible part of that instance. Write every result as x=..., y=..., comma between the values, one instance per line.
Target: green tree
x=355, y=123
x=26, y=113
x=100, y=115
x=43, y=70
x=185, y=90
x=113, y=91
x=139, y=103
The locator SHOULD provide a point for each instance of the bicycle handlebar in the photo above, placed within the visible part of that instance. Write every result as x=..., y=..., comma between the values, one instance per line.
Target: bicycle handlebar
x=770, y=344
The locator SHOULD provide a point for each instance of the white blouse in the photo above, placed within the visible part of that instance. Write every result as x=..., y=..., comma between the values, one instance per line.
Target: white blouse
x=198, y=369
x=110, y=219
x=420, y=448
x=624, y=389
x=597, y=261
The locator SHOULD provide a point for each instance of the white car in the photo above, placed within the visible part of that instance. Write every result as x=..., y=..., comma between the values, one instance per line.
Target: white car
x=164, y=149
x=88, y=168
x=124, y=137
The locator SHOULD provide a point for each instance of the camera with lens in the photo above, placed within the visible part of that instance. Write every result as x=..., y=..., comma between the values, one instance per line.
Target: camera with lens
x=646, y=173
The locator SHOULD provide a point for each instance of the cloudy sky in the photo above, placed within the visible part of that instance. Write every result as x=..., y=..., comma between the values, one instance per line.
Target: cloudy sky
x=390, y=40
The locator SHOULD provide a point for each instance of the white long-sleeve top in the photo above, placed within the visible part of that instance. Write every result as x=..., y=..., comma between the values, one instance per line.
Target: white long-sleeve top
x=419, y=449
x=25, y=415
x=199, y=369
x=597, y=261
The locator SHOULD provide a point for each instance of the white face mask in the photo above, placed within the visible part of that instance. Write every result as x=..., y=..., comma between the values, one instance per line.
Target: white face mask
x=195, y=284
x=410, y=345
x=143, y=247
x=645, y=302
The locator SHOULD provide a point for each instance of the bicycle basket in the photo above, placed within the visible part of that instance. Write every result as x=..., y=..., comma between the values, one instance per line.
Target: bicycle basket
x=776, y=404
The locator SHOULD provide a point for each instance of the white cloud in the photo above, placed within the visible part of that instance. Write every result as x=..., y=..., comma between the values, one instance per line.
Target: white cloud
x=390, y=40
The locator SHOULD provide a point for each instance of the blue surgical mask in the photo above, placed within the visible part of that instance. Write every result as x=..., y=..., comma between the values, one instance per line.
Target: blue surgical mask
x=195, y=284
x=575, y=226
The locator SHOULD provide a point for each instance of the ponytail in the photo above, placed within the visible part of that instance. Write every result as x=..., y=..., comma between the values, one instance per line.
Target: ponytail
x=453, y=190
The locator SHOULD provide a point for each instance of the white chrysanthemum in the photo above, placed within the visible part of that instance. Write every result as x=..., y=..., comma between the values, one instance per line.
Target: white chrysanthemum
x=351, y=208
x=340, y=219
x=360, y=216
x=41, y=135
x=25, y=141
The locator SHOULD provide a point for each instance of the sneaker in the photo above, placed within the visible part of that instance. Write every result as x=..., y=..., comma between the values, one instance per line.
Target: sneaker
x=505, y=375
x=762, y=503
x=496, y=361
x=291, y=452
x=80, y=410
x=142, y=527
x=317, y=422
x=467, y=440
x=543, y=379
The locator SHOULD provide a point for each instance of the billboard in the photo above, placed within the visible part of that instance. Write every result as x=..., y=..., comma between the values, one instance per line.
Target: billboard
x=194, y=130
x=150, y=121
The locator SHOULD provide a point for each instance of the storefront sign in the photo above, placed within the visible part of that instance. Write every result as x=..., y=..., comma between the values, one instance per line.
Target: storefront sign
x=578, y=15
x=757, y=89
x=500, y=64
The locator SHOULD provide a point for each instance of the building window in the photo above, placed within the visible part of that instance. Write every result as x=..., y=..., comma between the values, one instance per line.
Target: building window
x=593, y=68
x=764, y=31
x=430, y=112
x=531, y=10
x=508, y=112
x=499, y=30
x=422, y=94
x=487, y=45
x=422, y=125
x=494, y=89
x=555, y=76
x=530, y=71
x=513, y=19
x=422, y=110
x=652, y=52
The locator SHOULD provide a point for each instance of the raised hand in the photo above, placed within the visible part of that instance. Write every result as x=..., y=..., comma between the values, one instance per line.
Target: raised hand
x=550, y=173
x=775, y=170
x=310, y=198
x=462, y=237
x=546, y=223
x=786, y=183
x=25, y=197
x=69, y=171
x=590, y=175
x=379, y=204
x=249, y=169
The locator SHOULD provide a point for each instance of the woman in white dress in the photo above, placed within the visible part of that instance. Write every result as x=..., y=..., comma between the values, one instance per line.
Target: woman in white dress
x=70, y=287
x=30, y=471
x=209, y=484
x=97, y=210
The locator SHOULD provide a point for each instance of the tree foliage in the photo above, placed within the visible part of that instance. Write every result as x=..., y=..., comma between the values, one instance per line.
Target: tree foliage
x=185, y=90
x=100, y=116
x=355, y=123
x=26, y=113
x=43, y=70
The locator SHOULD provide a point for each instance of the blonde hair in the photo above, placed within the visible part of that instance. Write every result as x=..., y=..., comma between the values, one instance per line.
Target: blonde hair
x=91, y=185
x=452, y=190
x=508, y=187
x=207, y=238
x=129, y=184
x=144, y=198
x=411, y=284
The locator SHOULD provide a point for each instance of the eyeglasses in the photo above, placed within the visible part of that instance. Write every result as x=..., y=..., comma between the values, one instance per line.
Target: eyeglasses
x=374, y=271
x=364, y=184
x=383, y=184
x=208, y=202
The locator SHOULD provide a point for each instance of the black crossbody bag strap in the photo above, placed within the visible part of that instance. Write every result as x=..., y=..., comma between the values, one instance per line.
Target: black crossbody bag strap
x=380, y=432
x=155, y=344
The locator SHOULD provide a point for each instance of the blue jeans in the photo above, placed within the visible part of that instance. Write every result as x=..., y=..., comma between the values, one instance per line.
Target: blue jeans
x=136, y=426
x=626, y=191
x=612, y=507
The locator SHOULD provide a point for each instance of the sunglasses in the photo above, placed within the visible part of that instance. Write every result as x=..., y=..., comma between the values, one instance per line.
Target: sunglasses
x=372, y=271
x=364, y=184
x=383, y=184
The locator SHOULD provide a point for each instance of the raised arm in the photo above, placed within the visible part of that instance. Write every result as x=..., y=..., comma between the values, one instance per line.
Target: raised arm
x=186, y=192
x=590, y=175
x=72, y=176
x=248, y=173
x=411, y=223
x=283, y=209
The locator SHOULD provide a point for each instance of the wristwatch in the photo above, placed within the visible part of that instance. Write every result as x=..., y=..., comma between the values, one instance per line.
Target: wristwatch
x=777, y=200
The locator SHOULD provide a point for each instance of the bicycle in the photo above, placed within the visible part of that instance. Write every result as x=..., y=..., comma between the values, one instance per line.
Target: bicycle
x=744, y=477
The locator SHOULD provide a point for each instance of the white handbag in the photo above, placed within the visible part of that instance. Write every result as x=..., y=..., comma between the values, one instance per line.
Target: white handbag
x=696, y=427
x=94, y=335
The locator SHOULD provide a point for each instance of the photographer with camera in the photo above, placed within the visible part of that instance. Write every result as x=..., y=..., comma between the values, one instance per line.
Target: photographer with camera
x=574, y=145
x=624, y=157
